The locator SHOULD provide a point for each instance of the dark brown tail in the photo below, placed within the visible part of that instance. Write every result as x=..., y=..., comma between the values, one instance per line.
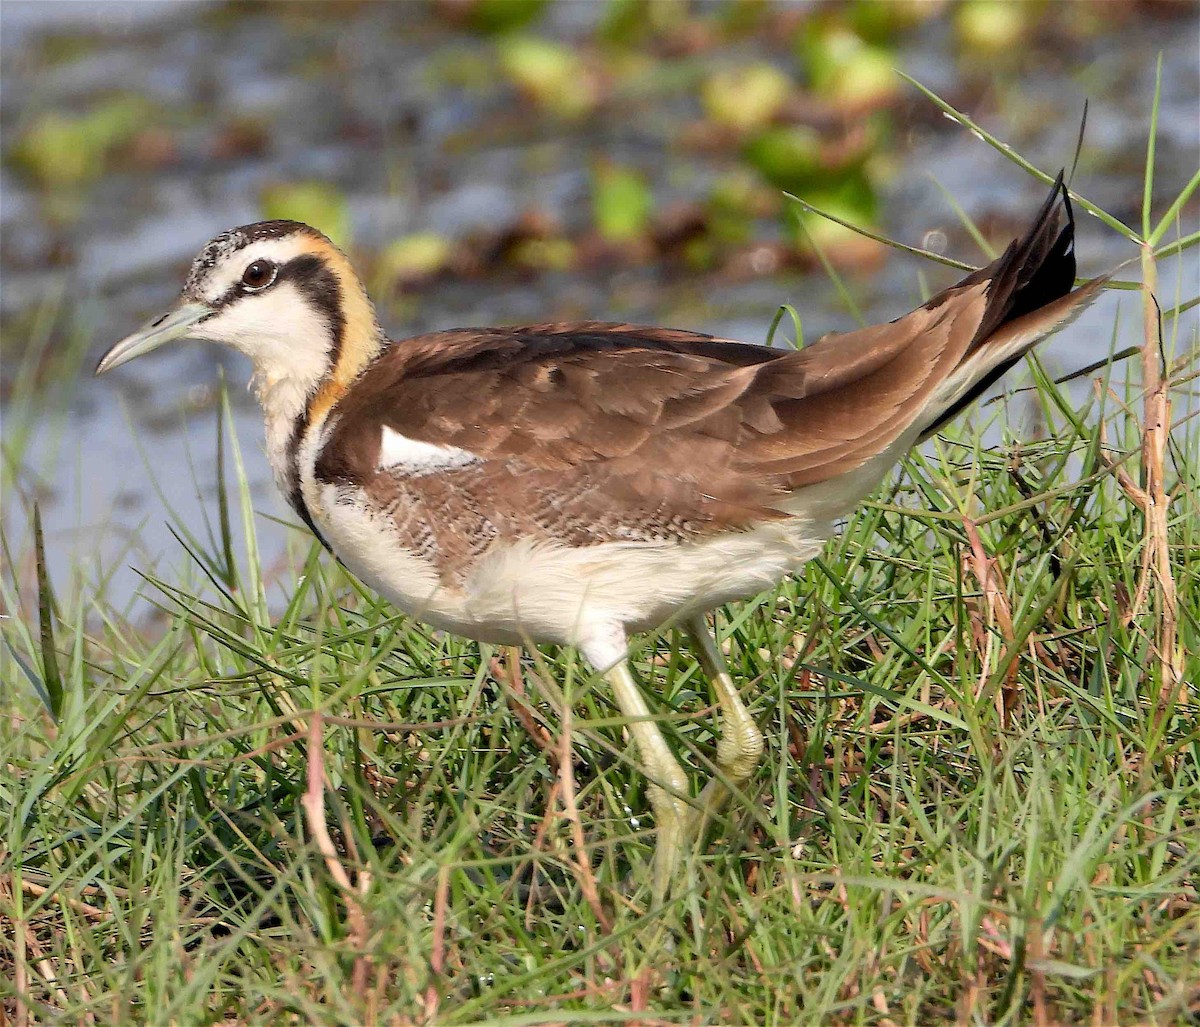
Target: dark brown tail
x=1034, y=272
x=848, y=398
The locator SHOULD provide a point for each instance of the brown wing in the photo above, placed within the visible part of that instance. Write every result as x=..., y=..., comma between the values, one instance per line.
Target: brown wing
x=593, y=431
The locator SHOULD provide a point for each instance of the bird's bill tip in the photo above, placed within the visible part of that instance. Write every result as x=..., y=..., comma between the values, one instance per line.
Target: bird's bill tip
x=174, y=324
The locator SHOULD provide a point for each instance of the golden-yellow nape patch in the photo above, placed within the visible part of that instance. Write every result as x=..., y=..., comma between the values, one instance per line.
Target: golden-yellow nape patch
x=361, y=336
x=360, y=329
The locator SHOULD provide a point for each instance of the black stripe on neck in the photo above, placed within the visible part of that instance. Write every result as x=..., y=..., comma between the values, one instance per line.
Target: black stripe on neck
x=295, y=492
x=320, y=287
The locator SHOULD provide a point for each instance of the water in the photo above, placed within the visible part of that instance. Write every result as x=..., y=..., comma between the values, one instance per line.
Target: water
x=386, y=102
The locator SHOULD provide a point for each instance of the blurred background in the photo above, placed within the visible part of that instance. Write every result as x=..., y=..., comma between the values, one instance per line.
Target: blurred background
x=502, y=161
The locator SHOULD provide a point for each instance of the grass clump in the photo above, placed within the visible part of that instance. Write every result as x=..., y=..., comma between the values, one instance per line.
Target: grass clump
x=981, y=796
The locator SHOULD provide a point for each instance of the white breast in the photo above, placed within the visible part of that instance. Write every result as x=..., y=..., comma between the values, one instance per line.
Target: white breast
x=527, y=590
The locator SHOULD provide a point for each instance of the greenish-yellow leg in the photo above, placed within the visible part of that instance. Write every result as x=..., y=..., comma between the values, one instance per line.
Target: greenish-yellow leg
x=740, y=746
x=668, y=788
x=739, y=750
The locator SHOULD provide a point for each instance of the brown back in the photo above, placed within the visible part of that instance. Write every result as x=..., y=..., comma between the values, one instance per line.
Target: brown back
x=621, y=424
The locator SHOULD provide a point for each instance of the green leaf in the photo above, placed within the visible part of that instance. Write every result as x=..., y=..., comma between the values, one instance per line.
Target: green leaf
x=621, y=203
x=51, y=676
x=1172, y=213
x=745, y=98
x=1151, y=140
x=414, y=257
x=550, y=73
x=490, y=16
x=794, y=157
x=318, y=204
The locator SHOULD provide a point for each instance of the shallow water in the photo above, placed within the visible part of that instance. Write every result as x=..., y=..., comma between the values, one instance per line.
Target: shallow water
x=369, y=101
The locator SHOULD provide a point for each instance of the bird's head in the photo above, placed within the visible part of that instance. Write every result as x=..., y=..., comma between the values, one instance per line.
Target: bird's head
x=278, y=291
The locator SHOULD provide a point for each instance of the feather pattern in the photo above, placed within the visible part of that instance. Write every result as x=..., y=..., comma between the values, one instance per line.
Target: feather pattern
x=584, y=433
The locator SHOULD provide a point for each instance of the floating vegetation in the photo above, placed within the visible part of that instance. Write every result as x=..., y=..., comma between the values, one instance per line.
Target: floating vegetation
x=745, y=98
x=61, y=150
x=844, y=68
x=490, y=16
x=852, y=199
x=555, y=254
x=621, y=203
x=315, y=203
x=992, y=29
x=554, y=76
x=412, y=259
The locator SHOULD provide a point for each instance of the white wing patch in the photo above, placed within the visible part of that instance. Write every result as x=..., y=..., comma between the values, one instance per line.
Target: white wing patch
x=412, y=456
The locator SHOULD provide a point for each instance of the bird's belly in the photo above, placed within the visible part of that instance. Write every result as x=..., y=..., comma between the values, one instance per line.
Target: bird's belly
x=552, y=592
x=535, y=590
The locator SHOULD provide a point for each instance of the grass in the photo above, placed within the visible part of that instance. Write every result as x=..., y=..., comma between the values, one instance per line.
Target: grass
x=981, y=798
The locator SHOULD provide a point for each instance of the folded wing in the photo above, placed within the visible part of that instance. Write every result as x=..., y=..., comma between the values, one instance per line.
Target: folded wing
x=592, y=432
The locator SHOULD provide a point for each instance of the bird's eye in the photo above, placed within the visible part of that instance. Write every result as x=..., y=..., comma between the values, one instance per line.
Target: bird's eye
x=258, y=275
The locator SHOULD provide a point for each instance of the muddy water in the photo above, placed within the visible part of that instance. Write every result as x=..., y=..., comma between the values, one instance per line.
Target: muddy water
x=386, y=102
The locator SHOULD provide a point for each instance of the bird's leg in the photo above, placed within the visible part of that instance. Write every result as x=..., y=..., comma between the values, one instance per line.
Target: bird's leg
x=740, y=746
x=668, y=788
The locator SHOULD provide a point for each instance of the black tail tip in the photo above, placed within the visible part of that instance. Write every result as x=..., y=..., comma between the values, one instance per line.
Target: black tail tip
x=1068, y=230
x=1059, y=191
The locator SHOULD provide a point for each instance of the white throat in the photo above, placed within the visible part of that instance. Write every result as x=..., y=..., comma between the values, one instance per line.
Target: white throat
x=283, y=400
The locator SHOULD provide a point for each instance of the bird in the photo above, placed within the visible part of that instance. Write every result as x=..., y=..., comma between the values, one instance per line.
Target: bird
x=579, y=483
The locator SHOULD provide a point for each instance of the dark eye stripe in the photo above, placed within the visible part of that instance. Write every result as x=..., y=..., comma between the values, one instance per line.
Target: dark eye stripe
x=315, y=282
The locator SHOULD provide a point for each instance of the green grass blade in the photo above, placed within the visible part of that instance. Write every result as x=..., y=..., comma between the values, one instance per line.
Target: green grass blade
x=1151, y=140
x=51, y=675
x=1168, y=219
x=985, y=247
x=1009, y=153
x=937, y=258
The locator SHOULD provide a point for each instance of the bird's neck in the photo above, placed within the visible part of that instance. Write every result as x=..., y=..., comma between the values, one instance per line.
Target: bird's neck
x=284, y=400
x=297, y=400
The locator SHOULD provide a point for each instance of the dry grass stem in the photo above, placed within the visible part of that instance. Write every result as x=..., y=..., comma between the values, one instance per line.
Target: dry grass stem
x=314, y=814
x=566, y=775
x=1156, y=424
